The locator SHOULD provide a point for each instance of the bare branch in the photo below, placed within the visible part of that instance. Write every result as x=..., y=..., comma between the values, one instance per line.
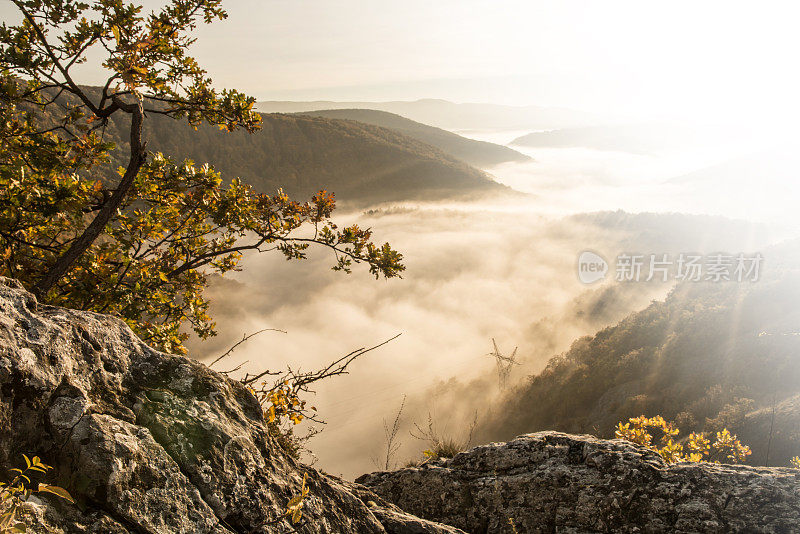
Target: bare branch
x=245, y=337
x=391, y=435
x=337, y=367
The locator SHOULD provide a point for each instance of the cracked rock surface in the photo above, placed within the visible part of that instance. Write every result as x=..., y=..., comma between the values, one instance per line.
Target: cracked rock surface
x=554, y=482
x=153, y=443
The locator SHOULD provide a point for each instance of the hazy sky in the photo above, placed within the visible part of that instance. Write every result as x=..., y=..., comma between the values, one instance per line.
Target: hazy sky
x=662, y=58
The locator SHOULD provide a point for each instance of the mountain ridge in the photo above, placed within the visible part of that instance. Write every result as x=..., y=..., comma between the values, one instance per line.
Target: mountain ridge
x=360, y=163
x=478, y=153
x=356, y=161
x=450, y=115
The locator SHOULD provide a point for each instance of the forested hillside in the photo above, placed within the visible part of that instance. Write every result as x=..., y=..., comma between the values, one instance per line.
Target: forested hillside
x=712, y=355
x=358, y=162
x=478, y=153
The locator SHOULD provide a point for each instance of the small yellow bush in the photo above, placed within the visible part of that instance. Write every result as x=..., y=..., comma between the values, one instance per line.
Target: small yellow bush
x=697, y=447
x=280, y=401
x=294, y=508
x=13, y=494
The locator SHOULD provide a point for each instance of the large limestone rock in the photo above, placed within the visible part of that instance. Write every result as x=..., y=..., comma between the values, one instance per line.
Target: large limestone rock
x=153, y=443
x=554, y=482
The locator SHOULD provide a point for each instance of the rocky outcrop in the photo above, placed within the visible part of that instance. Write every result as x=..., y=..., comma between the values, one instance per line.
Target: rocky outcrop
x=159, y=444
x=554, y=482
x=153, y=443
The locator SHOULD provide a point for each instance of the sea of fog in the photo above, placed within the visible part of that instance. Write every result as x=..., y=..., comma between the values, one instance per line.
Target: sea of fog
x=477, y=271
x=741, y=175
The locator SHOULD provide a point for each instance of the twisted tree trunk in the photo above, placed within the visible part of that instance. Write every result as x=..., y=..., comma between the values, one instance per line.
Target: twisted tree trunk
x=138, y=157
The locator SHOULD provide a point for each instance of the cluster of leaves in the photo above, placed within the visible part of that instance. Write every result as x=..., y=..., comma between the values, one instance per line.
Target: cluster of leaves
x=697, y=447
x=145, y=54
x=294, y=508
x=15, y=493
x=281, y=402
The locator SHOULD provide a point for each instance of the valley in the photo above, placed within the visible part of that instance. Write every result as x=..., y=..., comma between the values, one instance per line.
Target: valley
x=451, y=302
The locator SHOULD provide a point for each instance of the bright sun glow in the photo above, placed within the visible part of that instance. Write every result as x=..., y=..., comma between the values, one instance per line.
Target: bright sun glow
x=706, y=61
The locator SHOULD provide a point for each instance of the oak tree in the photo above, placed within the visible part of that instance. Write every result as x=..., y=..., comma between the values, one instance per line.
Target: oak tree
x=140, y=241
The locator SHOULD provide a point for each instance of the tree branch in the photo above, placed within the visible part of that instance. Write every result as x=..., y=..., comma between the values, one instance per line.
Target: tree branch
x=73, y=87
x=244, y=338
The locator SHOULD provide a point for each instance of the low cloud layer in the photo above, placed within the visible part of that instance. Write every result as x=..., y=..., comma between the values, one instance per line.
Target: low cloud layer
x=474, y=273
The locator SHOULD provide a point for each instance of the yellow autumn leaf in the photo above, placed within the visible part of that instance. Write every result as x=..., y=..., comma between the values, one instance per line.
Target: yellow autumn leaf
x=56, y=490
x=296, y=516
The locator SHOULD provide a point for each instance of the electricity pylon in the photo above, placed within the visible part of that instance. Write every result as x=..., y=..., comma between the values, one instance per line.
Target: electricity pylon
x=504, y=364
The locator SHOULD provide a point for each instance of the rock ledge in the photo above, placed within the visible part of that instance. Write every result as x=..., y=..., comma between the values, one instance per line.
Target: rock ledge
x=554, y=482
x=153, y=443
